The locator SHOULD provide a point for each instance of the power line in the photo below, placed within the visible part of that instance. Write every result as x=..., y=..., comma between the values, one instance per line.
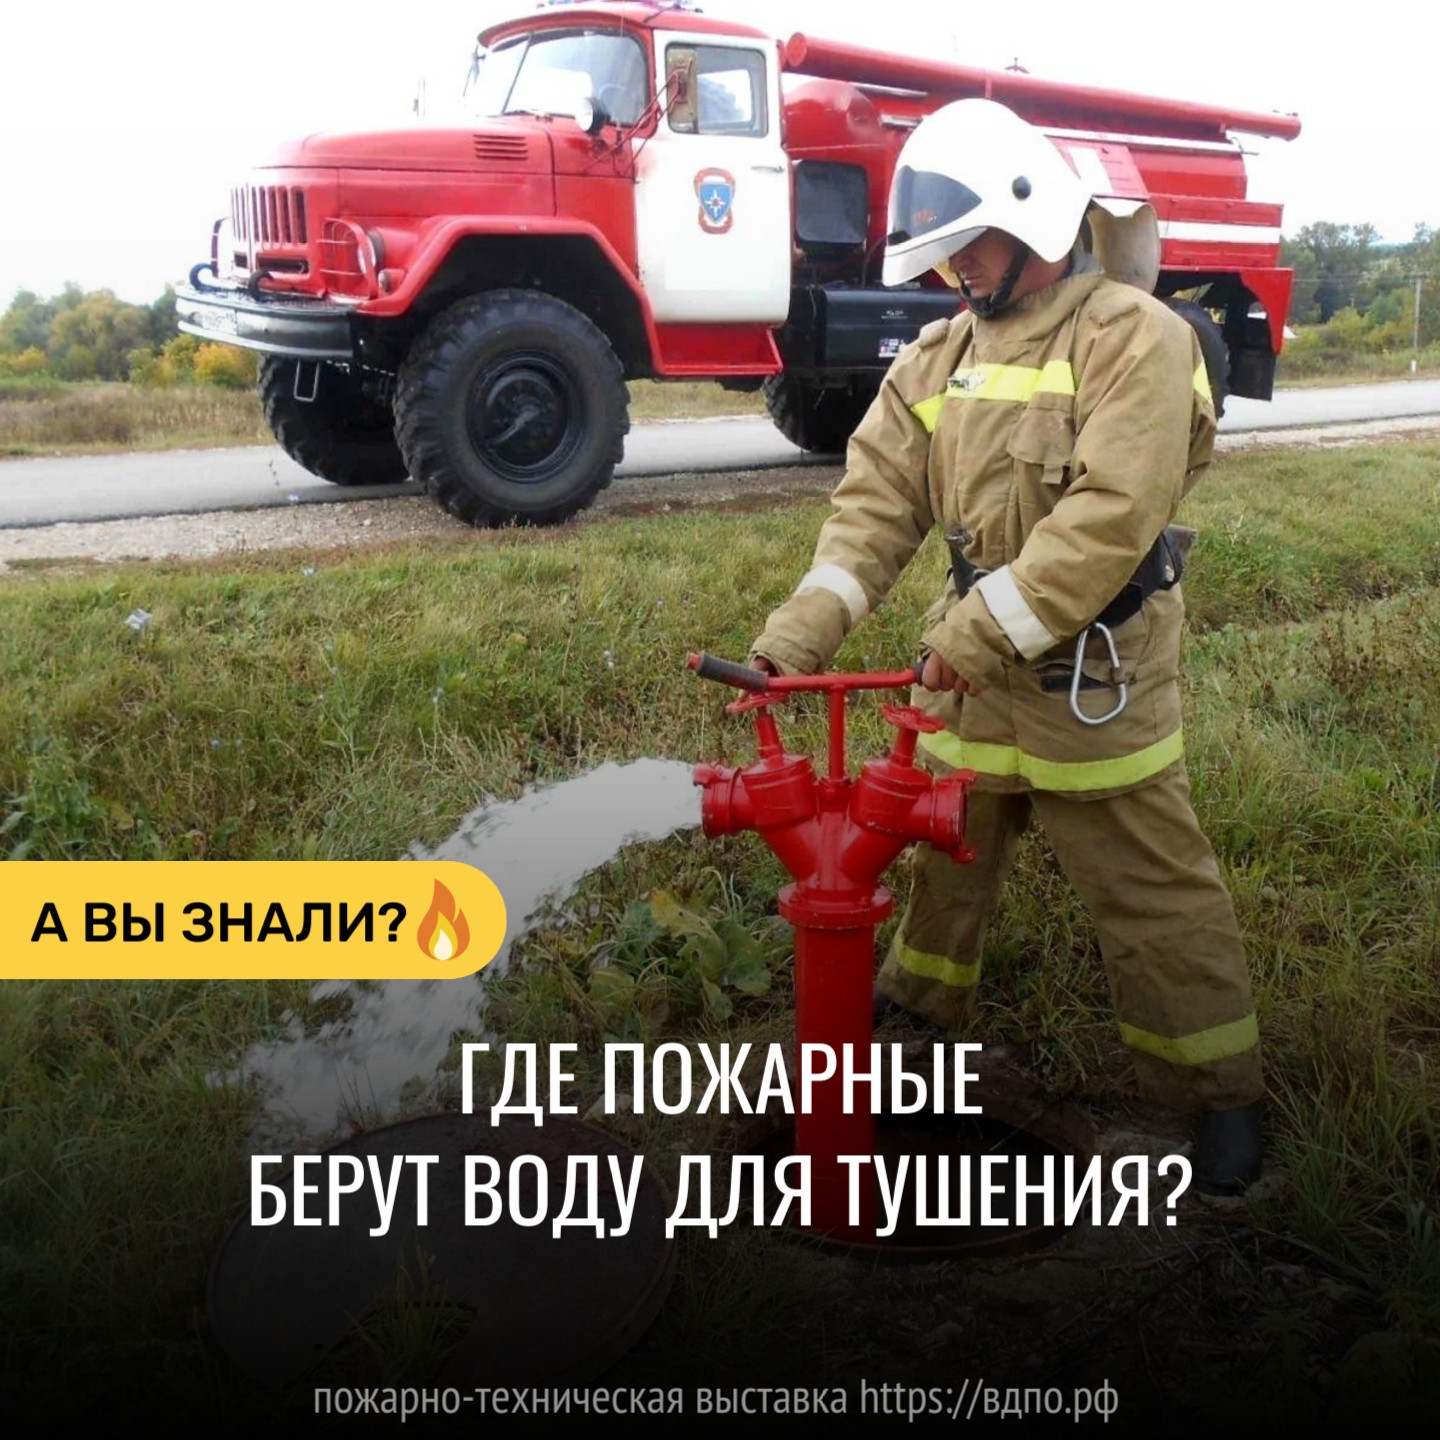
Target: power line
x=1407, y=278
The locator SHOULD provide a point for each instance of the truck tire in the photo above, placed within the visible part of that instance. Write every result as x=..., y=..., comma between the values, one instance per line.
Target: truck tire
x=1212, y=347
x=512, y=409
x=342, y=435
x=816, y=417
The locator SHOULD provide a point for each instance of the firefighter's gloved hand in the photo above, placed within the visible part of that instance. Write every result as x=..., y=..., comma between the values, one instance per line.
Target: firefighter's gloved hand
x=970, y=642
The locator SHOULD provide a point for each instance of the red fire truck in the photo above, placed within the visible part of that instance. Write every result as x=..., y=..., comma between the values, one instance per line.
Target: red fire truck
x=650, y=192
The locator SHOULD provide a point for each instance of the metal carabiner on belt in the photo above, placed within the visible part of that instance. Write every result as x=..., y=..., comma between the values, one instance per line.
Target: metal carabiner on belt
x=1078, y=675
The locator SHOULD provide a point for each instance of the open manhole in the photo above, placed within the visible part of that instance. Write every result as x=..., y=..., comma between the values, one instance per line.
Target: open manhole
x=1016, y=1119
x=542, y=1308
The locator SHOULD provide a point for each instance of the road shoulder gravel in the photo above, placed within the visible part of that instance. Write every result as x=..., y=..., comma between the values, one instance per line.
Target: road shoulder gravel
x=346, y=525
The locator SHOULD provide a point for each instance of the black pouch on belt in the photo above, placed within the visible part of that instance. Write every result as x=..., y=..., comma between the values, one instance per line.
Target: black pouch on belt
x=1161, y=569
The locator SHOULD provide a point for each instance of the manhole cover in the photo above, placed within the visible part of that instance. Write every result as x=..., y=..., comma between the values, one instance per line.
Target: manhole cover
x=544, y=1308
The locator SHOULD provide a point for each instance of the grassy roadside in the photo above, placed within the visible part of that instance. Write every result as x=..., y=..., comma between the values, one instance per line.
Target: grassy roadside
x=53, y=418
x=1376, y=374
x=1300, y=368
x=345, y=705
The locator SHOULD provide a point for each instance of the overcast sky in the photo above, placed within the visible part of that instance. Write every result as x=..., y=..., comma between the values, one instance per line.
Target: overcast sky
x=123, y=126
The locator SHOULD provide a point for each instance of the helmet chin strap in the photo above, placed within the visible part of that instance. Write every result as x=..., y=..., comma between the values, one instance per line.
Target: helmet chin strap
x=999, y=297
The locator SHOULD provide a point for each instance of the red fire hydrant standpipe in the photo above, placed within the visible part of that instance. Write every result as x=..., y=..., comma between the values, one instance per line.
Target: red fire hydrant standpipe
x=836, y=836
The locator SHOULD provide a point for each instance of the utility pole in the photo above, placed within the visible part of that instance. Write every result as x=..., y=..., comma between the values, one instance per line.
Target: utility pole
x=1415, y=338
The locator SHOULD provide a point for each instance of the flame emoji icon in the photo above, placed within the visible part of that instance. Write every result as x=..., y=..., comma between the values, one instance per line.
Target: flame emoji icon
x=444, y=932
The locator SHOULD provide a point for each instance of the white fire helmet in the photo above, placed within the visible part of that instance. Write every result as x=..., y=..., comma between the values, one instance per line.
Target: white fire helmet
x=975, y=165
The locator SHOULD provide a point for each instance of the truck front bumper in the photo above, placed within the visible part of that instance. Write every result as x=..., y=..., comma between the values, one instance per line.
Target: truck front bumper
x=299, y=329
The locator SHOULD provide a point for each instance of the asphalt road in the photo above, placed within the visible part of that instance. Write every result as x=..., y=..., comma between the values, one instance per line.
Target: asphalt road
x=105, y=487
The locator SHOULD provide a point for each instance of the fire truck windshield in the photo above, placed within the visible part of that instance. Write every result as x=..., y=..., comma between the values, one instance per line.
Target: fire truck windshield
x=553, y=72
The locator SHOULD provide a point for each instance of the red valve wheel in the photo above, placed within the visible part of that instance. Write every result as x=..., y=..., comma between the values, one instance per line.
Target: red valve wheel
x=757, y=700
x=912, y=717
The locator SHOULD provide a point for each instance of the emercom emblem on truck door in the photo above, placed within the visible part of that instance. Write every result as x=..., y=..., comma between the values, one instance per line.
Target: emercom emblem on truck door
x=716, y=189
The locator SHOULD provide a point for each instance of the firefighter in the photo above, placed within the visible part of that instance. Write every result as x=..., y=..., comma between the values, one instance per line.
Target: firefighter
x=1051, y=429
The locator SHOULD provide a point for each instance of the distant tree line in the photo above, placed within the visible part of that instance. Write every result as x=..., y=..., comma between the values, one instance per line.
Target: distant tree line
x=93, y=335
x=1354, y=302
x=1356, y=298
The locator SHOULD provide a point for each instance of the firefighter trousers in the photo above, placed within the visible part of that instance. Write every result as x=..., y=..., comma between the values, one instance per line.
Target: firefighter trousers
x=1166, y=924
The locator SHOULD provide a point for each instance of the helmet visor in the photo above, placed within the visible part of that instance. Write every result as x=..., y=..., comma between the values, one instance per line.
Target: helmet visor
x=923, y=203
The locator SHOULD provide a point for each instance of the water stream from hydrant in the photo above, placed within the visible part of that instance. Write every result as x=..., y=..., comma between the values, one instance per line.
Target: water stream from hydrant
x=386, y=1051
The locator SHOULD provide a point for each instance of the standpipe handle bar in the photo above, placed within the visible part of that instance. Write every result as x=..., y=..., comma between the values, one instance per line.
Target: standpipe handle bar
x=746, y=677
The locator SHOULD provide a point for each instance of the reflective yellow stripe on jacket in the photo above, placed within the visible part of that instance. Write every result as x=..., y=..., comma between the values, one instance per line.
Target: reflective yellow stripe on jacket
x=1016, y=384
x=1072, y=775
x=1201, y=381
x=1201, y=1048
x=936, y=967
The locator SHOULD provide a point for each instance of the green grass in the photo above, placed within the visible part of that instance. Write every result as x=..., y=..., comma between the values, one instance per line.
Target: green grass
x=690, y=399
x=1291, y=534
x=51, y=417
x=1302, y=366
x=346, y=713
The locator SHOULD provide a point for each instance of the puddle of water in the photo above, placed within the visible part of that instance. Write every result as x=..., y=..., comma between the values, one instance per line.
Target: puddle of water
x=387, y=1049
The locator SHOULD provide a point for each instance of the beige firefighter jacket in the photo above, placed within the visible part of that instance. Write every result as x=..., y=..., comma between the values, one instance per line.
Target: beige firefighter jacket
x=1063, y=434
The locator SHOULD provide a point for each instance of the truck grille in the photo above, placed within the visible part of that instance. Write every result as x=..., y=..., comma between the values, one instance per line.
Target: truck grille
x=269, y=215
x=501, y=149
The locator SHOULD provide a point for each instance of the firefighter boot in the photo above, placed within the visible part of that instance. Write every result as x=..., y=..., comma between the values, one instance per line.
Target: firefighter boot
x=882, y=1008
x=1229, y=1150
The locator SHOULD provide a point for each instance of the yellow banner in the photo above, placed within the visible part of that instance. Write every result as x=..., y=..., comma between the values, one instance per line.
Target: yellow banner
x=247, y=919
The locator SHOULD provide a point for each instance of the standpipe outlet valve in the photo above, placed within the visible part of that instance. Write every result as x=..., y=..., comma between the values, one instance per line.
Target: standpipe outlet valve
x=835, y=835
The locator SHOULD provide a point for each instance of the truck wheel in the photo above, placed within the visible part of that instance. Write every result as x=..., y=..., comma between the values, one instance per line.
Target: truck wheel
x=1212, y=347
x=815, y=417
x=342, y=435
x=512, y=408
